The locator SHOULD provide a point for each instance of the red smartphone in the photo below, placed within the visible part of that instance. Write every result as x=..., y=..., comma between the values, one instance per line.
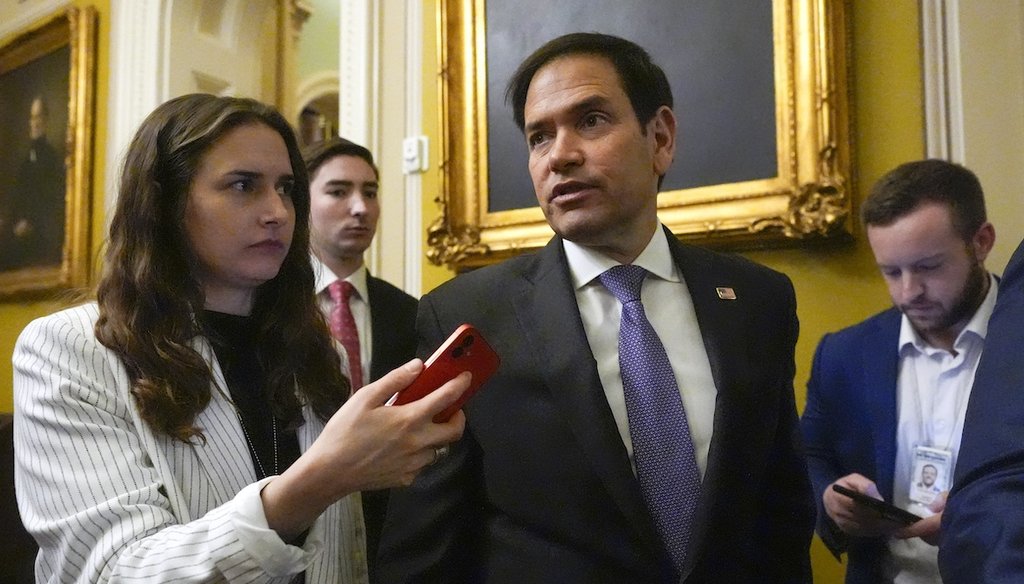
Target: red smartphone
x=464, y=350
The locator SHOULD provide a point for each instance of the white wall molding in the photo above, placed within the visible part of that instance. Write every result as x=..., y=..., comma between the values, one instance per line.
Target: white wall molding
x=943, y=94
x=137, y=33
x=414, y=127
x=358, y=64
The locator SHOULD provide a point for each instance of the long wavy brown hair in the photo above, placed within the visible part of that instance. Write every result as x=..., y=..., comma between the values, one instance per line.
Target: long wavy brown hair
x=149, y=296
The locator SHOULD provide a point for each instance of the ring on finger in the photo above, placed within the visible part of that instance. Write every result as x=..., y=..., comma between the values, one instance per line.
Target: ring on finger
x=440, y=452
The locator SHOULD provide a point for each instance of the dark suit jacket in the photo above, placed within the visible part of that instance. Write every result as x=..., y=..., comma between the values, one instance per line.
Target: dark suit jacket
x=540, y=489
x=393, y=313
x=849, y=425
x=393, y=317
x=983, y=523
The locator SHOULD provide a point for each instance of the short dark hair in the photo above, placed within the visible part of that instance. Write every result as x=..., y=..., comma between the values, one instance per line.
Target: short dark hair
x=643, y=81
x=908, y=186
x=319, y=153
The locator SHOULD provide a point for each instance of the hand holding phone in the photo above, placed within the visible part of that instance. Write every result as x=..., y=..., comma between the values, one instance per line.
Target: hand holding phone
x=464, y=350
x=885, y=510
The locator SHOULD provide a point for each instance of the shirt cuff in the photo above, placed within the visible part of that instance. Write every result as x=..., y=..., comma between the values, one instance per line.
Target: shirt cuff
x=271, y=553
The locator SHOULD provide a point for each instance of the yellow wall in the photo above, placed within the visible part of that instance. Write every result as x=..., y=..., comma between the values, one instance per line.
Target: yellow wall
x=835, y=286
x=14, y=316
x=838, y=287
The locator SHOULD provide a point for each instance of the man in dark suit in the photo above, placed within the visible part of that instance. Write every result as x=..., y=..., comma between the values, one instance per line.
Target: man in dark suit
x=983, y=524
x=886, y=397
x=374, y=320
x=550, y=483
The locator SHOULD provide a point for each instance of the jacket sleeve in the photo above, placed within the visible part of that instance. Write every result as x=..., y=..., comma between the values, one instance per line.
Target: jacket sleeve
x=427, y=535
x=788, y=520
x=94, y=497
x=983, y=522
x=817, y=425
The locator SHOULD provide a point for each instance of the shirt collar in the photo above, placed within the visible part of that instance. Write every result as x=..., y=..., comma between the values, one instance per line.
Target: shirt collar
x=585, y=264
x=977, y=326
x=325, y=277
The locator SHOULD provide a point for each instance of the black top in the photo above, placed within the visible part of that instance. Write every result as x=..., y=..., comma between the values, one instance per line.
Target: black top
x=234, y=342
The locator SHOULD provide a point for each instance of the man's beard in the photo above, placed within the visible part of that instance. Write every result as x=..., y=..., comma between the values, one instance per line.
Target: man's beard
x=966, y=304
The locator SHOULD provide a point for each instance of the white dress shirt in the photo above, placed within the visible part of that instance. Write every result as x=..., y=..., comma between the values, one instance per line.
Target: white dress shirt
x=933, y=388
x=669, y=308
x=359, y=304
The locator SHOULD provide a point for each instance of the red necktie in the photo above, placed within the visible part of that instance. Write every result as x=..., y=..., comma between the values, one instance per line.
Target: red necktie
x=343, y=327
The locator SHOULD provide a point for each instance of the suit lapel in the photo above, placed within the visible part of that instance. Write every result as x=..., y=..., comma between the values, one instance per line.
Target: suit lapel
x=383, y=327
x=880, y=363
x=548, y=298
x=723, y=339
x=719, y=327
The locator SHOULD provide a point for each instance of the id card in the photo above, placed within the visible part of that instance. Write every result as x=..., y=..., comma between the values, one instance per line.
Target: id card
x=931, y=474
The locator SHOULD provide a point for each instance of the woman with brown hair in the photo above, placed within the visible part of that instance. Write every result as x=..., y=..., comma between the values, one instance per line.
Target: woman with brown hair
x=192, y=423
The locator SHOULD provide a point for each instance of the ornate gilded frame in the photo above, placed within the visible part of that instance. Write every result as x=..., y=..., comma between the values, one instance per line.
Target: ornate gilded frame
x=74, y=28
x=808, y=200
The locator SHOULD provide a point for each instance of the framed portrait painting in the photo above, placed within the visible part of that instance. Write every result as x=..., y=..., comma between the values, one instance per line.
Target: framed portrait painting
x=760, y=94
x=46, y=126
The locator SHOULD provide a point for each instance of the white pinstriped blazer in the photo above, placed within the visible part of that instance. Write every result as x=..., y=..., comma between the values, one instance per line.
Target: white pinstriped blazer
x=107, y=499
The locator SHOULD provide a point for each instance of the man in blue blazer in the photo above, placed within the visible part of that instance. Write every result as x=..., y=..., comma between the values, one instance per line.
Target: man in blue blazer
x=983, y=525
x=886, y=397
x=543, y=489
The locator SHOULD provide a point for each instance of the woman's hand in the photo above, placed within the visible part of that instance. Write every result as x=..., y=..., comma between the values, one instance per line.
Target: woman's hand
x=365, y=445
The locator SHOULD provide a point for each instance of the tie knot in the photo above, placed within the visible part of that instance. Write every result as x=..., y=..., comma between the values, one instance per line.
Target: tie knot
x=624, y=282
x=341, y=290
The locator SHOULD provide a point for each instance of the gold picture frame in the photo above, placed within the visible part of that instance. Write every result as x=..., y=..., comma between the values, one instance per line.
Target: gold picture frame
x=807, y=199
x=48, y=89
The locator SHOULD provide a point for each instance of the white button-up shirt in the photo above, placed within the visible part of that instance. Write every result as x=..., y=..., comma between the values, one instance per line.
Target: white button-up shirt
x=669, y=309
x=933, y=388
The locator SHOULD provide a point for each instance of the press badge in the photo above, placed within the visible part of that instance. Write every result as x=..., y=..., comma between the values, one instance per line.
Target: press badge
x=931, y=474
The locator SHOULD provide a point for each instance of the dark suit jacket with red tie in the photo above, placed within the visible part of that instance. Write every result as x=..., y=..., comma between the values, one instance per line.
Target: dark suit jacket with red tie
x=540, y=489
x=393, y=318
x=393, y=314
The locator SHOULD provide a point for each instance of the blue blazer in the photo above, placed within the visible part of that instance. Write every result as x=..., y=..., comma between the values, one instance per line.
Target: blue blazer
x=983, y=523
x=849, y=425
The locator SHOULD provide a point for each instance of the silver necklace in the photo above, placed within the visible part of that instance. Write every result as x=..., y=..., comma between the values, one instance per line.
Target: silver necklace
x=245, y=431
x=252, y=448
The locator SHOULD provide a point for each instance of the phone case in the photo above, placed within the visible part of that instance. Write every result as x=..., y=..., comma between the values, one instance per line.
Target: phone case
x=886, y=510
x=464, y=350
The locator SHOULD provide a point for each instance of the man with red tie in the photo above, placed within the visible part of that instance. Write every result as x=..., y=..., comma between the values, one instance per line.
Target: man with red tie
x=374, y=320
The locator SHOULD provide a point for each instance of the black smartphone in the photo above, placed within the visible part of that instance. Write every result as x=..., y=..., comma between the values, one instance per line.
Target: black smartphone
x=887, y=511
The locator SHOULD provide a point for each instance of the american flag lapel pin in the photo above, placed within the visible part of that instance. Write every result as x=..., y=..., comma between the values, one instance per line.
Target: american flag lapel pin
x=726, y=293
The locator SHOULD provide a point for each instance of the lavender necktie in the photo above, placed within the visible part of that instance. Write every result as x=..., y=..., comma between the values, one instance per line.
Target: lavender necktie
x=663, y=452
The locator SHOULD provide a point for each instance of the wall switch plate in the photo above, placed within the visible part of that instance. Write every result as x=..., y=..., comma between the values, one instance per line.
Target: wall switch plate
x=414, y=154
